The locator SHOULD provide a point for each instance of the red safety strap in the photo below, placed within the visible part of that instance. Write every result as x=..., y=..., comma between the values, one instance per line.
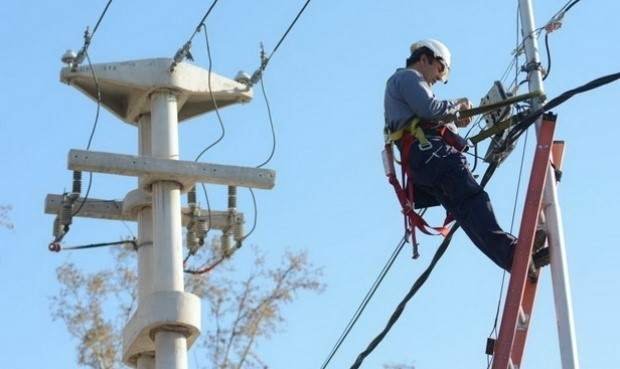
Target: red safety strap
x=407, y=197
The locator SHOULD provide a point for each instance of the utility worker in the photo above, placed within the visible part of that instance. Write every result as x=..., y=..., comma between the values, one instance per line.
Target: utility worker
x=440, y=172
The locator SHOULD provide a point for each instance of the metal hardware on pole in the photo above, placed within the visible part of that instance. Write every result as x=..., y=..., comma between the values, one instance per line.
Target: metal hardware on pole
x=551, y=208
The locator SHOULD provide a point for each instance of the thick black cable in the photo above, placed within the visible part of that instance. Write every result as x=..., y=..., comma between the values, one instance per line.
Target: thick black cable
x=90, y=183
x=366, y=300
x=401, y=306
x=548, y=69
x=531, y=118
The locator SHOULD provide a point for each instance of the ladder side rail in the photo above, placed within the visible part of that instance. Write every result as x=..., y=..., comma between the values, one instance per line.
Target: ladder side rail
x=529, y=294
x=523, y=251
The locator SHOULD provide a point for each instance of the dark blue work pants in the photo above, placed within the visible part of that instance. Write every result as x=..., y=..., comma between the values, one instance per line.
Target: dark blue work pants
x=443, y=172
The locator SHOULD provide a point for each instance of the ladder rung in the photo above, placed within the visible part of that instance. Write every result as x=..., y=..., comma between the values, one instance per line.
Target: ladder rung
x=524, y=320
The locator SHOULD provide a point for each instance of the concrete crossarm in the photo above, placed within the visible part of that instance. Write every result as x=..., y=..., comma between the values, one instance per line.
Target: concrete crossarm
x=186, y=173
x=113, y=210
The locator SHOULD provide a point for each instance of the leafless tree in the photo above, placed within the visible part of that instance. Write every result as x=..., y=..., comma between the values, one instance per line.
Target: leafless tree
x=243, y=309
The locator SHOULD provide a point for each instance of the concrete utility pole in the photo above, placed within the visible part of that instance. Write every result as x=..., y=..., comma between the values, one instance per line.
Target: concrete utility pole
x=145, y=93
x=551, y=207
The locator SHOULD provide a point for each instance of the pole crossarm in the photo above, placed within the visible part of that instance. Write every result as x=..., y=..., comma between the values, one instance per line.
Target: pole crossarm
x=186, y=173
x=113, y=210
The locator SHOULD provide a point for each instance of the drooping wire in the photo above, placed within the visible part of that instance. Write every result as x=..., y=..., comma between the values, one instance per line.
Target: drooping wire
x=420, y=281
x=217, y=113
x=92, y=132
x=365, y=300
x=213, y=100
x=273, y=150
x=255, y=221
x=556, y=18
x=273, y=132
x=548, y=69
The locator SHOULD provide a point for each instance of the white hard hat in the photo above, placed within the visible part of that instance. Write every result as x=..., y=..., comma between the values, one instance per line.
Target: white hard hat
x=440, y=51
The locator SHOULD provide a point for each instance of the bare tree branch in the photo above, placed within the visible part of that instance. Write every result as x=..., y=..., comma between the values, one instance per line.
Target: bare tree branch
x=241, y=310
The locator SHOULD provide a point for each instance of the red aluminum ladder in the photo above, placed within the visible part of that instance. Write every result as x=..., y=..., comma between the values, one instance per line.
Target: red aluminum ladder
x=510, y=344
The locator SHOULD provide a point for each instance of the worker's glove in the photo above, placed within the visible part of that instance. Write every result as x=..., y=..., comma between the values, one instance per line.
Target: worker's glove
x=463, y=104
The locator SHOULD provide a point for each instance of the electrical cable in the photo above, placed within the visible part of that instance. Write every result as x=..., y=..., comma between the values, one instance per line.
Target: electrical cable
x=105, y=10
x=255, y=222
x=519, y=129
x=58, y=248
x=217, y=113
x=366, y=300
x=548, y=69
x=184, y=51
x=92, y=132
x=289, y=29
x=88, y=37
x=266, y=59
x=202, y=21
x=213, y=100
x=532, y=117
x=493, y=332
x=273, y=132
x=419, y=282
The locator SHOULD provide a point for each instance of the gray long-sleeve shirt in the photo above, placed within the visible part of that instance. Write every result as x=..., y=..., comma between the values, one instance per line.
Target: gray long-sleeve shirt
x=407, y=94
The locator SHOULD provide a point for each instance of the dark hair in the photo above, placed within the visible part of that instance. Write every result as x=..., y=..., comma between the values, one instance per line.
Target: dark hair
x=417, y=55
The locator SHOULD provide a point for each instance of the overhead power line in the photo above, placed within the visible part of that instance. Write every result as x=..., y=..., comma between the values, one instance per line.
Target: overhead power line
x=74, y=60
x=184, y=52
x=256, y=76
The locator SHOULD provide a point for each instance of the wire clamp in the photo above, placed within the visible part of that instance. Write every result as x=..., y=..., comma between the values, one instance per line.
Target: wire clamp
x=532, y=66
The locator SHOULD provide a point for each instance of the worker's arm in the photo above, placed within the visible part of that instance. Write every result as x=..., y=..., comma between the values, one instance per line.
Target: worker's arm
x=419, y=97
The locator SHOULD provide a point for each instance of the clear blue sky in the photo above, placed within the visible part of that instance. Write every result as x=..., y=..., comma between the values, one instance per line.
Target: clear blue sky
x=325, y=85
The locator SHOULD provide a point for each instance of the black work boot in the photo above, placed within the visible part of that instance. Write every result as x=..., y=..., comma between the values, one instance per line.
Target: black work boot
x=540, y=254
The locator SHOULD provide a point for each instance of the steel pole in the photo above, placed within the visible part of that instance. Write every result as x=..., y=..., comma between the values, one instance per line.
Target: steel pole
x=553, y=216
x=170, y=345
x=145, y=236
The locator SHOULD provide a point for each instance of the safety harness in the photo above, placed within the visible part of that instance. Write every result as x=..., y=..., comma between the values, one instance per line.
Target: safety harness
x=405, y=192
x=415, y=132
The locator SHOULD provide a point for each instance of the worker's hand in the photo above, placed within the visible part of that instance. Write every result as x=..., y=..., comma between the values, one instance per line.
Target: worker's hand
x=463, y=104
